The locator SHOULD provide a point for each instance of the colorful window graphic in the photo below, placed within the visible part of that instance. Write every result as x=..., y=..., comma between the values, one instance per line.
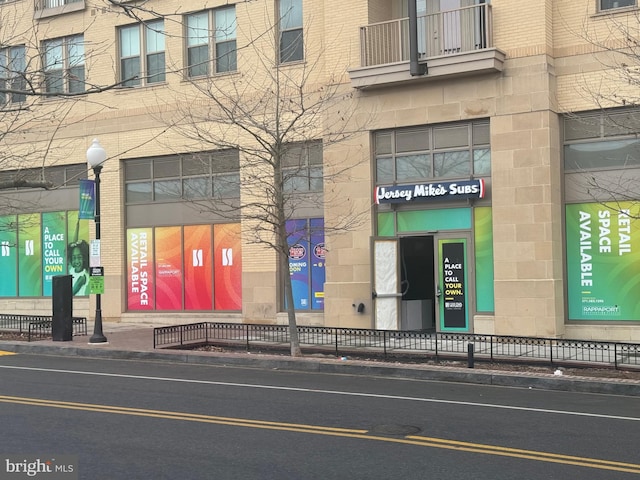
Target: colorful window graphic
x=603, y=261
x=140, y=290
x=307, y=262
x=35, y=247
x=198, y=268
x=195, y=267
x=228, y=267
x=483, y=240
x=9, y=256
x=169, y=273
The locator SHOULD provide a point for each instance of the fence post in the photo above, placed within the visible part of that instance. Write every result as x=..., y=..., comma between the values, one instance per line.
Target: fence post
x=491, y=347
x=336, y=340
x=470, y=360
x=551, y=351
x=181, y=330
x=384, y=343
x=615, y=355
x=246, y=335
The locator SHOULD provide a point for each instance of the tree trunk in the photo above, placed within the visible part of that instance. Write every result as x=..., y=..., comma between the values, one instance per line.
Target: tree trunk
x=291, y=311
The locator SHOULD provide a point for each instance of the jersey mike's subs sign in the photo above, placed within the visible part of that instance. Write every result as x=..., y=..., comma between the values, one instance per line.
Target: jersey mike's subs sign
x=424, y=192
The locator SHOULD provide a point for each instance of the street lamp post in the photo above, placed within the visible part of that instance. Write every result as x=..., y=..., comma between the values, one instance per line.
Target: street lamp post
x=96, y=156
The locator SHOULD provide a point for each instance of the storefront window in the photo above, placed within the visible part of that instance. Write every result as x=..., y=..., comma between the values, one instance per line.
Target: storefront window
x=188, y=177
x=426, y=153
x=602, y=160
x=35, y=247
x=192, y=267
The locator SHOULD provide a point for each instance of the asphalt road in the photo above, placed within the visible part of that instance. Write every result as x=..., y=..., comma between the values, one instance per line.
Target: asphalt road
x=157, y=420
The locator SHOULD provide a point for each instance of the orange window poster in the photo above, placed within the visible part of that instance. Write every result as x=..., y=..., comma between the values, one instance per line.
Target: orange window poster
x=227, y=266
x=168, y=256
x=198, y=275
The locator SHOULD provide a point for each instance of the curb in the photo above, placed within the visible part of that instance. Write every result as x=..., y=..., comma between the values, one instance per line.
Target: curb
x=356, y=367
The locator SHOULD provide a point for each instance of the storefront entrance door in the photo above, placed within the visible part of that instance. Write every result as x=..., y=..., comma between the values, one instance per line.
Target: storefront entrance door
x=453, y=282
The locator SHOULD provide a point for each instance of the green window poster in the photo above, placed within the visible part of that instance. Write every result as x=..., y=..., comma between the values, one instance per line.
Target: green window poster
x=34, y=248
x=54, y=245
x=8, y=256
x=78, y=228
x=483, y=240
x=29, y=255
x=603, y=261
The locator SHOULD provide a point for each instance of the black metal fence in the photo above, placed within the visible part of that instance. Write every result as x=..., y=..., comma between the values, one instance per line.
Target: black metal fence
x=37, y=326
x=387, y=343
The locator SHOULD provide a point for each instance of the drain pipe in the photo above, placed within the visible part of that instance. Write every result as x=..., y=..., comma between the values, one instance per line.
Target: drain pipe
x=415, y=69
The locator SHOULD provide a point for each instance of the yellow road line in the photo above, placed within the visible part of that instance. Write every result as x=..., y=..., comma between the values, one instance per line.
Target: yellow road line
x=530, y=454
x=415, y=440
x=2, y=352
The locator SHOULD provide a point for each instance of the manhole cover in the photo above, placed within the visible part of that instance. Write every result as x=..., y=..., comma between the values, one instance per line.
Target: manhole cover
x=400, y=430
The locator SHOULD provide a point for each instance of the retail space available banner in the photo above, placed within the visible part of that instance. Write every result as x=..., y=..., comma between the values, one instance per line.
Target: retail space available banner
x=36, y=247
x=307, y=262
x=603, y=261
x=195, y=267
x=140, y=289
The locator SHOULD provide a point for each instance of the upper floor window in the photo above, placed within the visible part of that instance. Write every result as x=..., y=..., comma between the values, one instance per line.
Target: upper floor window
x=291, y=44
x=302, y=167
x=206, y=45
x=611, y=4
x=602, y=141
x=189, y=177
x=424, y=153
x=12, y=74
x=142, y=57
x=64, y=65
x=59, y=175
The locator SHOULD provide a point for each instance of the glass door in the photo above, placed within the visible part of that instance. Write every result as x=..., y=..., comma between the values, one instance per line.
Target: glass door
x=453, y=282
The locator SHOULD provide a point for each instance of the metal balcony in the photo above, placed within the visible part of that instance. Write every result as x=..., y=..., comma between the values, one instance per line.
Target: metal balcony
x=452, y=42
x=50, y=8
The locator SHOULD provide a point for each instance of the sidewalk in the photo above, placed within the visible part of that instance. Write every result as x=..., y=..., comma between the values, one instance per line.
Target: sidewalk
x=135, y=342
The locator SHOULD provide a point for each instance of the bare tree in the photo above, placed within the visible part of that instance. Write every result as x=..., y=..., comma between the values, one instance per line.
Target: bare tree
x=33, y=72
x=611, y=85
x=278, y=119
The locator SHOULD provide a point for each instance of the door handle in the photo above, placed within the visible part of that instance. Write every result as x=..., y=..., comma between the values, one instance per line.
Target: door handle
x=438, y=291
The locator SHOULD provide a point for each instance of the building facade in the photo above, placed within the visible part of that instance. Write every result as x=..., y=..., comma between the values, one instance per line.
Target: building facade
x=463, y=166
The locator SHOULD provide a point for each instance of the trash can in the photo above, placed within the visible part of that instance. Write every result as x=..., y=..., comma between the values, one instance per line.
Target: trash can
x=62, y=324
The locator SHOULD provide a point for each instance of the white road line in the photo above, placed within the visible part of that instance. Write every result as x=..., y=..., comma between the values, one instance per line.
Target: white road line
x=325, y=392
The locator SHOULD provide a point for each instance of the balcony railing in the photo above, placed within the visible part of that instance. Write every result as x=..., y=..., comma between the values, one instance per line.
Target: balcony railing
x=48, y=8
x=448, y=32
